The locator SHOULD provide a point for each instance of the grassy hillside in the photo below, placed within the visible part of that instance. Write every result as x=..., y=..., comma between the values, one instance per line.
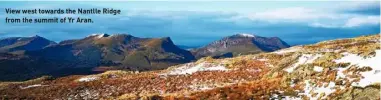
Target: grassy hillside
x=338, y=69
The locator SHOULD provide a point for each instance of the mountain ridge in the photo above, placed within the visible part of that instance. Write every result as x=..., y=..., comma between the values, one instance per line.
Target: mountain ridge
x=13, y=44
x=240, y=44
x=84, y=56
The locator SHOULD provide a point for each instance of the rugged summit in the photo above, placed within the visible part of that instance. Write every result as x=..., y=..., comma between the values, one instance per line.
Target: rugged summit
x=240, y=44
x=95, y=53
x=125, y=51
x=22, y=44
x=339, y=69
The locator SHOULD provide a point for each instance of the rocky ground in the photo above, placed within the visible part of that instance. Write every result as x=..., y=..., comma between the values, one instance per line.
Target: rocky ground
x=338, y=69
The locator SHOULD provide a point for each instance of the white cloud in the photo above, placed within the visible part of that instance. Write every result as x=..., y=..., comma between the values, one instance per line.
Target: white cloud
x=317, y=24
x=291, y=14
x=366, y=20
x=353, y=21
x=313, y=17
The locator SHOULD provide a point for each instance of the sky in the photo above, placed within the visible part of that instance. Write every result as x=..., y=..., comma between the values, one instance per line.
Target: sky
x=198, y=23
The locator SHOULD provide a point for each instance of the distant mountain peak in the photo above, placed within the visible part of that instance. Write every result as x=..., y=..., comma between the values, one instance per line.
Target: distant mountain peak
x=103, y=35
x=99, y=35
x=36, y=36
x=24, y=43
x=239, y=44
x=246, y=35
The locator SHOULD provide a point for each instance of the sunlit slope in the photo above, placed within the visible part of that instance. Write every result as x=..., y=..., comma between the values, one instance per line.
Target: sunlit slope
x=337, y=69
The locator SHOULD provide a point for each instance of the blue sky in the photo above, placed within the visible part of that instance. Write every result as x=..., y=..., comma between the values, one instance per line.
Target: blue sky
x=199, y=23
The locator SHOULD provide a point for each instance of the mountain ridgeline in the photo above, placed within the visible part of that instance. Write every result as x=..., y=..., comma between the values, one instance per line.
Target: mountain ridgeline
x=24, y=44
x=240, y=44
x=23, y=58
x=30, y=57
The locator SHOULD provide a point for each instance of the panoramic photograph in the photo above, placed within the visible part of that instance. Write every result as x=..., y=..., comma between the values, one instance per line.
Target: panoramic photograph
x=190, y=50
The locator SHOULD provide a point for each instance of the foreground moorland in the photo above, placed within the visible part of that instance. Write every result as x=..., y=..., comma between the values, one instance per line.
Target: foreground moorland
x=337, y=69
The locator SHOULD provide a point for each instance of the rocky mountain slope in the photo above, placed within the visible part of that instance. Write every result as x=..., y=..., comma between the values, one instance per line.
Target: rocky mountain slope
x=121, y=51
x=338, y=69
x=239, y=44
x=21, y=44
x=95, y=53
